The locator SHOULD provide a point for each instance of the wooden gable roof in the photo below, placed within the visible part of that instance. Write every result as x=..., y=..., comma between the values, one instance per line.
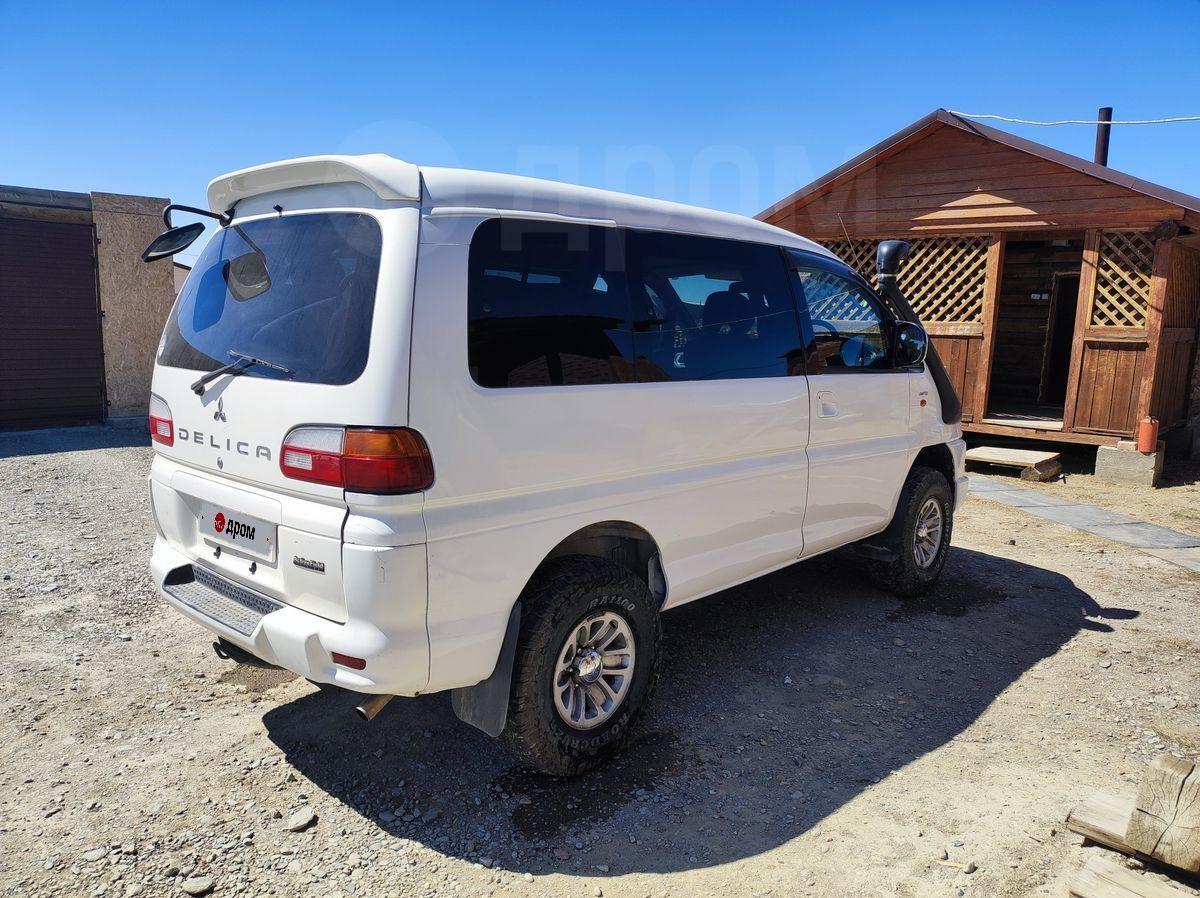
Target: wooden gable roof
x=944, y=174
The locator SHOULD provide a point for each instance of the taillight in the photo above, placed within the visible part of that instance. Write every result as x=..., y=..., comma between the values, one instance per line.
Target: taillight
x=382, y=460
x=162, y=427
x=313, y=454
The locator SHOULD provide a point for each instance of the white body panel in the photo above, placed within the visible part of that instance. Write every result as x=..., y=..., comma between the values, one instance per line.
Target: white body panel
x=860, y=450
x=730, y=478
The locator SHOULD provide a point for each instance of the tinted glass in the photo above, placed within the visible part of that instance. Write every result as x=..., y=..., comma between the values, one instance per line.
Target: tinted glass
x=848, y=324
x=296, y=290
x=708, y=309
x=547, y=305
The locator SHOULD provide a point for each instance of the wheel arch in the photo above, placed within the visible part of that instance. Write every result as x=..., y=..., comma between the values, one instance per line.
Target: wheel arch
x=938, y=457
x=622, y=542
x=485, y=704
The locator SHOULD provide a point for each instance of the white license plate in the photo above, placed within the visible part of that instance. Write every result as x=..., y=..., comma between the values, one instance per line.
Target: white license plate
x=229, y=527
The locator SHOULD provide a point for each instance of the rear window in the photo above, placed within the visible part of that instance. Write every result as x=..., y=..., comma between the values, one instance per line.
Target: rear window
x=297, y=291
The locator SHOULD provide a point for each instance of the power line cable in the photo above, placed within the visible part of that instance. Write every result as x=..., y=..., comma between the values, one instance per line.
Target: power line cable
x=1074, y=121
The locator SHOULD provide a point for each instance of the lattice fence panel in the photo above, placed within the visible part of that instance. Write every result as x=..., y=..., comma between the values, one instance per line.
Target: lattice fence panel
x=943, y=277
x=829, y=300
x=1123, y=279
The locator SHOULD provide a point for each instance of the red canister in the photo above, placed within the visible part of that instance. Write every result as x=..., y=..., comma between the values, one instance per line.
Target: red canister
x=1147, y=435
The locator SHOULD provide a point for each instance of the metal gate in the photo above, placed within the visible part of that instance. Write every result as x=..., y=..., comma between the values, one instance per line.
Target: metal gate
x=51, y=356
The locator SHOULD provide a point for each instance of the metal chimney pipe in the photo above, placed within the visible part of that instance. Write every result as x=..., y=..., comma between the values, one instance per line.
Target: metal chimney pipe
x=1104, y=116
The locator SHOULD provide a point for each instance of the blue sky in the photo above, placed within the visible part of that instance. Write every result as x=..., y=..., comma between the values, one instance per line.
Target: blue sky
x=729, y=105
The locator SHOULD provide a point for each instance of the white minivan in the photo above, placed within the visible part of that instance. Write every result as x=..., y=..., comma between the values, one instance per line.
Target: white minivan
x=424, y=429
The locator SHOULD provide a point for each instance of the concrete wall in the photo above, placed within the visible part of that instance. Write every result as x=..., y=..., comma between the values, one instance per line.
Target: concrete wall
x=135, y=297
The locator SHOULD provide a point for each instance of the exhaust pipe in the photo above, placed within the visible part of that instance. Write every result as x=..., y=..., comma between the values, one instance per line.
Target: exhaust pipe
x=372, y=706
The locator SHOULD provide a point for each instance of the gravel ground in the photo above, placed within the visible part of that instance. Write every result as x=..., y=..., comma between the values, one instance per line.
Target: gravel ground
x=812, y=736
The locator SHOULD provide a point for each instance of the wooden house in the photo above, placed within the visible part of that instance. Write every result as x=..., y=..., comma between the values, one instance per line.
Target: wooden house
x=1063, y=296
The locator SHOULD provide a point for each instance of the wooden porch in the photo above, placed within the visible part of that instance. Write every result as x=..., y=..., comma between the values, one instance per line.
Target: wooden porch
x=1062, y=296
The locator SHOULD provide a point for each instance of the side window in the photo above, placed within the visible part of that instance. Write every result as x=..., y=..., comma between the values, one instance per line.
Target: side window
x=850, y=327
x=547, y=305
x=710, y=309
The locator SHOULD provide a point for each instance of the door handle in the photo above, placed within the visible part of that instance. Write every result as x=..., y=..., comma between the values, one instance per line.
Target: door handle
x=826, y=404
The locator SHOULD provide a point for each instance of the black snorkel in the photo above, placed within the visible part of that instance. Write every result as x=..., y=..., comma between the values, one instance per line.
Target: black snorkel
x=888, y=258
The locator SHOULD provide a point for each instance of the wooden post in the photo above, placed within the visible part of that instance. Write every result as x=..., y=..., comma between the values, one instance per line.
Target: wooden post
x=1083, y=315
x=994, y=274
x=1165, y=822
x=1159, y=277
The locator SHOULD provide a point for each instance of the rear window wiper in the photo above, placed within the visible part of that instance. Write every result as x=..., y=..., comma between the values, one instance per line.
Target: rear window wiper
x=240, y=363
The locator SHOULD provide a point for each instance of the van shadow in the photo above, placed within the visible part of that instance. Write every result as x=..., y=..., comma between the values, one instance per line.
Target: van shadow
x=780, y=701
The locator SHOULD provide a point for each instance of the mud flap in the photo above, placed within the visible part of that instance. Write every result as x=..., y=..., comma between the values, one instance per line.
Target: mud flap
x=485, y=705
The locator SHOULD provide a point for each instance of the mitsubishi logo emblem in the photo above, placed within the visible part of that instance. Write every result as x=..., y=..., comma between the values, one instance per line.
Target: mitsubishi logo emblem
x=219, y=414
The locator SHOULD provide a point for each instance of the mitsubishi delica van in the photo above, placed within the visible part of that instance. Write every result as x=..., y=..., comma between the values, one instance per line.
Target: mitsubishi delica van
x=429, y=430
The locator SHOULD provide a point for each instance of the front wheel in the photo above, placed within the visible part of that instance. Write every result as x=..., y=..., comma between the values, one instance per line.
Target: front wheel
x=919, y=535
x=586, y=665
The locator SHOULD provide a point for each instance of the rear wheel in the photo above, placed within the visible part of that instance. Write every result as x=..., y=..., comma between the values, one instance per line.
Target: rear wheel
x=918, y=538
x=586, y=664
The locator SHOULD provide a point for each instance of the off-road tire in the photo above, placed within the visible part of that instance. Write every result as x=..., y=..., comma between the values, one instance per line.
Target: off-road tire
x=902, y=575
x=565, y=592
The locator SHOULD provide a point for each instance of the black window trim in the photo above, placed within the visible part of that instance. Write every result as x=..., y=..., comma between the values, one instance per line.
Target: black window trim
x=796, y=258
x=803, y=326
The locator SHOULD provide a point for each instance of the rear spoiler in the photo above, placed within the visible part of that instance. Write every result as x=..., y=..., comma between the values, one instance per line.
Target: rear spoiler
x=388, y=178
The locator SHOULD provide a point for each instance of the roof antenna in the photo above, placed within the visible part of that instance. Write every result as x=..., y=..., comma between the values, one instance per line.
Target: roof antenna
x=844, y=231
x=1103, y=129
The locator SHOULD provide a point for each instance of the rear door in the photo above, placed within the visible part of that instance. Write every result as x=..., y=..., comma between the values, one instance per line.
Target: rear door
x=313, y=294
x=860, y=443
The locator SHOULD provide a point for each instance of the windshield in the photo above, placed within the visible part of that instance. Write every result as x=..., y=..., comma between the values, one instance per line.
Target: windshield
x=297, y=290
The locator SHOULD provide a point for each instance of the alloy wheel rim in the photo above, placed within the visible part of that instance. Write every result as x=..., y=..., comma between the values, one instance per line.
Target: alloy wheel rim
x=927, y=541
x=594, y=670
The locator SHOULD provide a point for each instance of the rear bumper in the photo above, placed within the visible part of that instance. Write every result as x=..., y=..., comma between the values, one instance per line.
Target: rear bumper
x=385, y=625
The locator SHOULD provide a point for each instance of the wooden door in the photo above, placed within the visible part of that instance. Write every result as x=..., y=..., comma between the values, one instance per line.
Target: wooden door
x=1110, y=362
x=51, y=359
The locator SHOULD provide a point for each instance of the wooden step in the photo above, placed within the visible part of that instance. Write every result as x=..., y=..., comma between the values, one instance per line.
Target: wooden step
x=1103, y=878
x=1103, y=819
x=1034, y=464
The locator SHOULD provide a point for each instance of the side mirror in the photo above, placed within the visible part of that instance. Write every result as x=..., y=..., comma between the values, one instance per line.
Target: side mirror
x=910, y=345
x=171, y=241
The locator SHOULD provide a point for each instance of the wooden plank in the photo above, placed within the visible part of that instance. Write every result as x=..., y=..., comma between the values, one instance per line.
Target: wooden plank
x=1102, y=818
x=1102, y=877
x=1083, y=314
x=1034, y=465
x=1033, y=433
x=1165, y=822
x=988, y=178
x=970, y=374
x=1125, y=387
x=1033, y=423
x=886, y=198
x=991, y=293
x=1116, y=334
x=954, y=329
x=1159, y=278
x=870, y=226
x=1008, y=457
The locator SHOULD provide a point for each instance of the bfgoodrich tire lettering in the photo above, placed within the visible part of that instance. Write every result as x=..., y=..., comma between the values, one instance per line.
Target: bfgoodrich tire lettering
x=566, y=593
x=925, y=501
